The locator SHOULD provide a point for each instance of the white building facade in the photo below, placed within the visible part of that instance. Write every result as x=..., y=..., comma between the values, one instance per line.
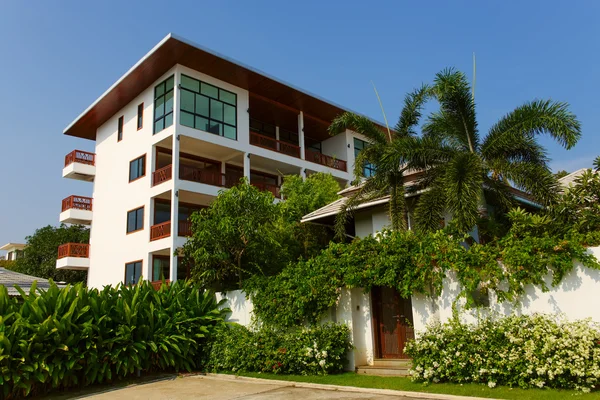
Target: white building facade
x=181, y=125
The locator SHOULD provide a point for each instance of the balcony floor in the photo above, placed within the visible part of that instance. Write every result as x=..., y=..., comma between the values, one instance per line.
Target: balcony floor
x=73, y=263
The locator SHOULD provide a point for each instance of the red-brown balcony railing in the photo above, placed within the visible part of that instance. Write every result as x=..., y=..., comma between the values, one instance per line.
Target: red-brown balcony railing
x=328, y=161
x=208, y=176
x=160, y=231
x=162, y=175
x=274, y=144
x=268, y=187
x=77, y=202
x=157, y=284
x=78, y=250
x=184, y=228
x=232, y=178
x=80, y=156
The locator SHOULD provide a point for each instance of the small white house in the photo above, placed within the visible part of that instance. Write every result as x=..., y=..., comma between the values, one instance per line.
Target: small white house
x=13, y=250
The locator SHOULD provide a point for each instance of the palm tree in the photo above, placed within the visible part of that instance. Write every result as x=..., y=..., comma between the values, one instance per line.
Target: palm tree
x=389, y=166
x=459, y=163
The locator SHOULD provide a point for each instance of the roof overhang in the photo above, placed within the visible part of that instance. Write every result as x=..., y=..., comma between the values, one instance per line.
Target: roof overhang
x=13, y=246
x=173, y=50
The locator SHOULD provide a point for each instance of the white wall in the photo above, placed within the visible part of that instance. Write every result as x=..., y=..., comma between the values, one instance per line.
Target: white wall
x=336, y=146
x=241, y=308
x=110, y=246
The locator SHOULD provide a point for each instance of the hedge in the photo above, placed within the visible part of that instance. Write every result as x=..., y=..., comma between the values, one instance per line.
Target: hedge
x=74, y=336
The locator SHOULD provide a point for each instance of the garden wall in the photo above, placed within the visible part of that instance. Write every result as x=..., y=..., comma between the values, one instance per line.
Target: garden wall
x=577, y=297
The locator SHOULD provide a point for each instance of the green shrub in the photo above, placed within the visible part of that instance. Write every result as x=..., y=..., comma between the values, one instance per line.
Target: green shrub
x=526, y=351
x=76, y=336
x=317, y=350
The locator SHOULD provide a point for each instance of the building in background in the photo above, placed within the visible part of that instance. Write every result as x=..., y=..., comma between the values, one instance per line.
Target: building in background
x=13, y=251
x=181, y=125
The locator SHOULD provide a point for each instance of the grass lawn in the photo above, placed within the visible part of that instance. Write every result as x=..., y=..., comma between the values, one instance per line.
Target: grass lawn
x=397, y=383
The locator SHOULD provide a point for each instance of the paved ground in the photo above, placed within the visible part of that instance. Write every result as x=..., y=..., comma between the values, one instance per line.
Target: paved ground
x=214, y=388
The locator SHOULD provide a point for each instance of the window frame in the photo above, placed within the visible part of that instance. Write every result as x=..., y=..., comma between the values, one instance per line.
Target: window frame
x=120, y=124
x=160, y=257
x=211, y=99
x=141, y=271
x=140, y=116
x=163, y=95
x=127, y=220
x=139, y=176
x=368, y=167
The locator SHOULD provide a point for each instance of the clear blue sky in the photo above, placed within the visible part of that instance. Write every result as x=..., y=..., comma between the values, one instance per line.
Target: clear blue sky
x=57, y=57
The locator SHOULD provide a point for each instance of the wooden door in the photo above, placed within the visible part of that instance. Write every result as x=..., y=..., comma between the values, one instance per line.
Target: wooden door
x=393, y=322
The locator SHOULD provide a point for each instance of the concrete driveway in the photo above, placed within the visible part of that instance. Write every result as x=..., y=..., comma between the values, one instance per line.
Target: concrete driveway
x=224, y=388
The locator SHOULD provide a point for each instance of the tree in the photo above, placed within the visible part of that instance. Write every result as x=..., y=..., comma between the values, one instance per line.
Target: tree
x=458, y=163
x=39, y=258
x=383, y=155
x=236, y=237
x=303, y=196
x=560, y=174
x=597, y=164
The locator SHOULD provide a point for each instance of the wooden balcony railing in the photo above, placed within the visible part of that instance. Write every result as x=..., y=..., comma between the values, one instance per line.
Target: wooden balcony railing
x=184, y=228
x=77, y=202
x=162, y=175
x=160, y=231
x=157, y=284
x=267, y=187
x=80, y=156
x=210, y=177
x=328, y=161
x=232, y=178
x=274, y=144
x=79, y=250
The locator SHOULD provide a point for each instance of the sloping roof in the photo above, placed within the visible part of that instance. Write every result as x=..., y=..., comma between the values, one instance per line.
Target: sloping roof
x=16, y=246
x=174, y=50
x=568, y=180
x=10, y=279
x=335, y=207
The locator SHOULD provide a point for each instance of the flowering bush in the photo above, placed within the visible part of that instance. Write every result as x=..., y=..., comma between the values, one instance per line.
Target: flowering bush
x=317, y=350
x=526, y=351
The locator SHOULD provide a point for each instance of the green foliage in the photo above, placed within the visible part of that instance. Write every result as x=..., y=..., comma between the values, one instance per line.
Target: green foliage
x=60, y=338
x=560, y=174
x=244, y=233
x=579, y=207
x=597, y=164
x=317, y=350
x=236, y=237
x=416, y=263
x=525, y=351
x=8, y=264
x=39, y=259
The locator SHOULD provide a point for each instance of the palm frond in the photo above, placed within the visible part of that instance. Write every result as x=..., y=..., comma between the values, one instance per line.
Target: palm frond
x=412, y=111
x=535, y=179
x=358, y=124
x=533, y=118
x=429, y=213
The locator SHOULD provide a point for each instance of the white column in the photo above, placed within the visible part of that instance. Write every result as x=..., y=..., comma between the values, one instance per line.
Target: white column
x=301, y=133
x=223, y=170
x=174, y=206
x=277, y=132
x=303, y=173
x=247, y=166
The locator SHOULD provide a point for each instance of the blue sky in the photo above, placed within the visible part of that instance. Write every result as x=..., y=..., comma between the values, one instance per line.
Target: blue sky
x=58, y=57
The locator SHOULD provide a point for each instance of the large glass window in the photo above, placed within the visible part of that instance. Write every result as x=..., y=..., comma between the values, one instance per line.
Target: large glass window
x=162, y=211
x=161, y=268
x=208, y=108
x=135, y=220
x=133, y=272
x=163, y=105
x=360, y=145
x=137, y=168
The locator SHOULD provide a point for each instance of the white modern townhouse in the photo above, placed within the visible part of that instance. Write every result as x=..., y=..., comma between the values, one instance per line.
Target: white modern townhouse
x=181, y=125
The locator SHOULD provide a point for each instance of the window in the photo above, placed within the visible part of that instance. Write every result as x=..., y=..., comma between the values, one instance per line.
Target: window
x=163, y=104
x=262, y=129
x=208, y=108
x=161, y=268
x=360, y=145
x=140, y=118
x=120, y=129
x=137, y=168
x=133, y=272
x=162, y=211
x=135, y=220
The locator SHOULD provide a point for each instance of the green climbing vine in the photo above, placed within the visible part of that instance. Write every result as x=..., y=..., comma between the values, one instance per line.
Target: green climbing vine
x=417, y=263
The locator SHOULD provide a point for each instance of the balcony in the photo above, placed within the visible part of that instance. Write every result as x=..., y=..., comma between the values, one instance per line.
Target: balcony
x=328, y=161
x=80, y=165
x=267, y=187
x=76, y=210
x=74, y=256
x=160, y=231
x=273, y=144
x=162, y=175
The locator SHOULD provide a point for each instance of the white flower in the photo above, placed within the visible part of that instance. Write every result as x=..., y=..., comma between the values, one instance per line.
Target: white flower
x=324, y=353
x=322, y=363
